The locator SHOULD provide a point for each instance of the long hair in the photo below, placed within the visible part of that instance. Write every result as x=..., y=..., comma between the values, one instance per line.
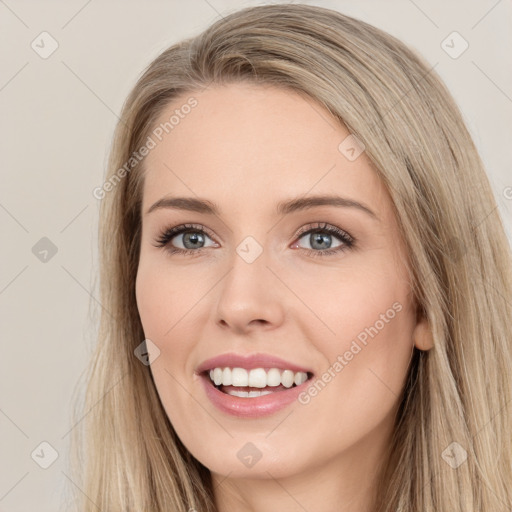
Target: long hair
x=457, y=402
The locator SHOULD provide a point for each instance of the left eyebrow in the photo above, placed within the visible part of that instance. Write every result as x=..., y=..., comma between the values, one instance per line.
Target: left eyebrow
x=303, y=203
x=283, y=208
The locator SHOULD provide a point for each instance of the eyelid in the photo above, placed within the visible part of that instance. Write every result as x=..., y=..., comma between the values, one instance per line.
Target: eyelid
x=324, y=226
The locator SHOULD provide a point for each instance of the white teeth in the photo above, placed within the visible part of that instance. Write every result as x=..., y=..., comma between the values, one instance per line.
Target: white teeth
x=239, y=377
x=248, y=394
x=273, y=377
x=287, y=378
x=300, y=377
x=226, y=377
x=217, y=376
x=256, y=378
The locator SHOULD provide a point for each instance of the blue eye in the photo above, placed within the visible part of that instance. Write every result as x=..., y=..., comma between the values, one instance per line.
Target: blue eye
x=325, y=239
x=321, y=239
x=189, y=239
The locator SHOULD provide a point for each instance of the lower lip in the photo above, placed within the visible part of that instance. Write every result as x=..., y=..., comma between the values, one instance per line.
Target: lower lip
x=251, y=407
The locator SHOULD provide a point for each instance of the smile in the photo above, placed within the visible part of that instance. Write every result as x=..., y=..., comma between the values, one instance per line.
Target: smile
x=256, y=382
x=252, y=385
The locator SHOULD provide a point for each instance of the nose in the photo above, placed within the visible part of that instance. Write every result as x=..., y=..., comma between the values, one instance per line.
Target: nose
x=250, y=297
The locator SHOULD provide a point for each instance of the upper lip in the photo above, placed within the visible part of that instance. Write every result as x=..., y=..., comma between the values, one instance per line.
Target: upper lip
x=232, y=360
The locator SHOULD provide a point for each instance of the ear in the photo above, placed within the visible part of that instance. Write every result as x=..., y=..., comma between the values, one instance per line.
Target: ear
x=422, y=334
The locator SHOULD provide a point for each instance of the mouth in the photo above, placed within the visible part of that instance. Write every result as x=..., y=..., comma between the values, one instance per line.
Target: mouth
x=252, y=385
x=255, y=382
x=253, y=393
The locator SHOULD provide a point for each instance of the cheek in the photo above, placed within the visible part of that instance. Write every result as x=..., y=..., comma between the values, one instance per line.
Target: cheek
x=365, y=362
x=164, y=303
x=172, y=305
x=364, y=332
x=347, y=301
x=165, y=297
x=151, y=303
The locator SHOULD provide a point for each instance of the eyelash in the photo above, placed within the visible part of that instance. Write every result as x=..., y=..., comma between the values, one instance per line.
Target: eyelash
x=347, y=240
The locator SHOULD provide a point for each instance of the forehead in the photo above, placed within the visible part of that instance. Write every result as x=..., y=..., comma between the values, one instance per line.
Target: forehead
x=264, y=143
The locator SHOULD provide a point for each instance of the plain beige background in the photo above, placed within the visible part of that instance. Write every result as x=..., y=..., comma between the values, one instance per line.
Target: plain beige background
x=58, y=115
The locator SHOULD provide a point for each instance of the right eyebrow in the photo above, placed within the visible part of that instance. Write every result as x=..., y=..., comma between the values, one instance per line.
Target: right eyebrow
x=186, y=203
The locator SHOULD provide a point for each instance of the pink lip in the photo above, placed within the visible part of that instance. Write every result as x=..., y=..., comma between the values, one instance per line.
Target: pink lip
x=251, y=407
x=256, y=406
x=249, y=362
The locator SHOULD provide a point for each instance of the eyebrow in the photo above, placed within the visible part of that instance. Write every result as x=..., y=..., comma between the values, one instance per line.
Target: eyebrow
x=284, y=207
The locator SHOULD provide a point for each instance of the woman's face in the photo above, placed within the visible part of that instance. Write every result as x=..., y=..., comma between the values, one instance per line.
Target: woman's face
x=294, y=269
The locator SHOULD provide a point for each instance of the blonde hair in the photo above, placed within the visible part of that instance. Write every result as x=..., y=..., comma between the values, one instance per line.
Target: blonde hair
x=458, y=392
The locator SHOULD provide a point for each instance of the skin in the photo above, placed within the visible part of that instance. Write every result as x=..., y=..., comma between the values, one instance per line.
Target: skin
x=247, y=147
